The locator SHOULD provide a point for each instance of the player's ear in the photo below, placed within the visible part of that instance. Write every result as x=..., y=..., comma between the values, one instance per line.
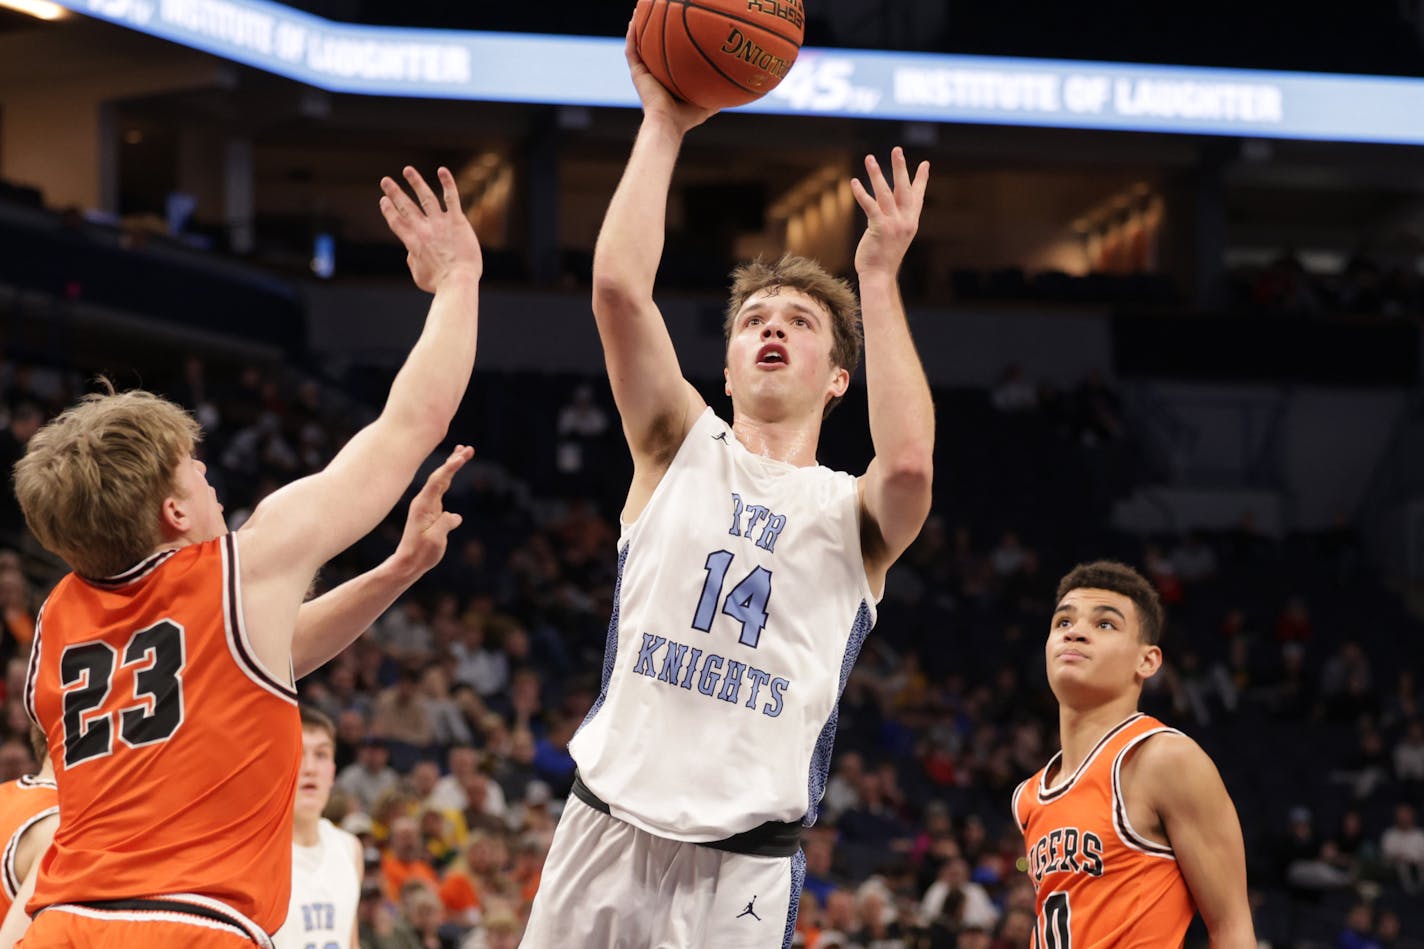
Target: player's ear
x=840, y=382
x=173, y=516
x=727, y=380
x=1149, y=662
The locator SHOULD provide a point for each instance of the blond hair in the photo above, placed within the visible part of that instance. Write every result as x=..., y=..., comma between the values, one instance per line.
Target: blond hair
x=800, y=273
x=92, y=482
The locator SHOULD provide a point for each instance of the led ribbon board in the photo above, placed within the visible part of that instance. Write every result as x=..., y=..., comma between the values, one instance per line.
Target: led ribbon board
x=571, y=70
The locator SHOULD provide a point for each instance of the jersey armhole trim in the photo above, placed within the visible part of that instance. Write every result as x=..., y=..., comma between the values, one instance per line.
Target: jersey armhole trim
x=235, y=627
x=32, y=673
x=1125, y=831
x=1014, y=804
x=10, y=878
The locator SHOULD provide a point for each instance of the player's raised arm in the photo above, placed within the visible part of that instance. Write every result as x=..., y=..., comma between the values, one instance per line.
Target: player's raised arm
x=298, y=528
x=895, y=490
x=656, y=404
x=1200, y=821
x=329, y=623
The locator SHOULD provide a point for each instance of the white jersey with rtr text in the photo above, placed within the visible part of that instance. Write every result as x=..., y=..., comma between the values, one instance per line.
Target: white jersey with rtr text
x=325, y=892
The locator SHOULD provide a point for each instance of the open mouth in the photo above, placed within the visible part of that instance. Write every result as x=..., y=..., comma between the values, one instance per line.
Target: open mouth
x=772, y=354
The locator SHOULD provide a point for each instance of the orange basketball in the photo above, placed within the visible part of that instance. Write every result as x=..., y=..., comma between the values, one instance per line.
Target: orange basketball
x=719, y=53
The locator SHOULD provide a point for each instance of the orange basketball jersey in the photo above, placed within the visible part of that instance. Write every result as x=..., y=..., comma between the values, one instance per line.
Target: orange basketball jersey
x=175, y=751
x=23, y=804
x=1100, y=884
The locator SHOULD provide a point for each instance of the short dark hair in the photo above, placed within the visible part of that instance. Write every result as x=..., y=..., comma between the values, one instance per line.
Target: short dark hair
x=317, y=720
x=1119, y=578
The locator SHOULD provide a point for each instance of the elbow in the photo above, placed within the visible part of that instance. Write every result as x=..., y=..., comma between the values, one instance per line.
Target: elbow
x=428, y=422
x=911, y=469
x=616, y=293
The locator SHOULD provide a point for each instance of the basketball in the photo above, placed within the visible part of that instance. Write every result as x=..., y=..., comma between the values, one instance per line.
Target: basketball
x=719, y=53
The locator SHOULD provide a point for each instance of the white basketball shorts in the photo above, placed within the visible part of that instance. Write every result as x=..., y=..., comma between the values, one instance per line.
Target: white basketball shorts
x=608, y=885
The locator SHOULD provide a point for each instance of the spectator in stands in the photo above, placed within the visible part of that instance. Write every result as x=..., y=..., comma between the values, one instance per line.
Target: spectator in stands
x=404, y=860
x=977, y=909
x=1302, y=863
x=403, y=719
x=1356, y=933
x=515, y=772
x=1409, y=759
x=581, y=426
x=370, y=776
x=875, y=914
x=448, y=725
x=404, y=633
x=1402, y=848
x=1353, y=853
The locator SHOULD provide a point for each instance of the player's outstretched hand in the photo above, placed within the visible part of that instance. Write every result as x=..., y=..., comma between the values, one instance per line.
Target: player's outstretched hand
x=438, y=239
x=892, y=215
x=655, y=97
x=427, y=523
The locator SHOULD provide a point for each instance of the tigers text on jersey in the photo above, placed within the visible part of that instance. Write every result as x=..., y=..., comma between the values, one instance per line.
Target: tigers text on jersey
x=1100, y=883
x=325, y=891
x=23, y=804
x=741, y=605
x=175, y=751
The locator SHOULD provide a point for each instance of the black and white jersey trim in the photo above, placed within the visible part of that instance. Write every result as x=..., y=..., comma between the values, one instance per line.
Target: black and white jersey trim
x=29, y=782
x=1121, y=824
x=186, y=908
x=33, y=672
x=137, y=572
x=1045, y=795
x=238, y=643
x=10, y=878
x=1014, y=805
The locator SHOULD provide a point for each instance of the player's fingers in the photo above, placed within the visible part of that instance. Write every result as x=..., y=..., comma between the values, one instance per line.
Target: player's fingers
x=900, y=171
x=449, y=521
x=922, y=180
x=630, y=44
x=422, y=190
x=439, y=481
x=447, y=186
x=878, y=185
x=398, y=223
x=862, y=198
x=396, y=195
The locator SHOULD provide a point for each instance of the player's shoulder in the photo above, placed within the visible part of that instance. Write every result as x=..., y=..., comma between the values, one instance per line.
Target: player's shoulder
x=1167, y=760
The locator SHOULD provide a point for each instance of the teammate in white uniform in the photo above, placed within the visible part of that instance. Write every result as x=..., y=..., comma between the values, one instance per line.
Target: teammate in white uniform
x=327, y=863
x=748, y=575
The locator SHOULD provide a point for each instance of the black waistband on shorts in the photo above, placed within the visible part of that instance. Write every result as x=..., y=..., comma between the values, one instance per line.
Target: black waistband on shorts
x=204, y=910
x=773, y=839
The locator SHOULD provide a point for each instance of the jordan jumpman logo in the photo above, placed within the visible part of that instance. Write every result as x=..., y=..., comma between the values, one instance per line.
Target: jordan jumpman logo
x=749, y=911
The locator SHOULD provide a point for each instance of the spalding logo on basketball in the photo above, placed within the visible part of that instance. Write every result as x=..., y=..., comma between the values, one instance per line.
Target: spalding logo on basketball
x=719, y=53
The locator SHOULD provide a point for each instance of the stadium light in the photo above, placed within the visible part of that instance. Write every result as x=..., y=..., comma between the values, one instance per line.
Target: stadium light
x=42, y=9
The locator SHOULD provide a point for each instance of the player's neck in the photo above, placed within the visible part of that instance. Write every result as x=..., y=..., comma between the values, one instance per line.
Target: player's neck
x=1080, y=729
x=304, y=830
x=792, y=441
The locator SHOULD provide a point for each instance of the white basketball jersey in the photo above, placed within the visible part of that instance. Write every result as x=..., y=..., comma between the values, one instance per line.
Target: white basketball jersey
x=325, y=891
x=741, y=605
